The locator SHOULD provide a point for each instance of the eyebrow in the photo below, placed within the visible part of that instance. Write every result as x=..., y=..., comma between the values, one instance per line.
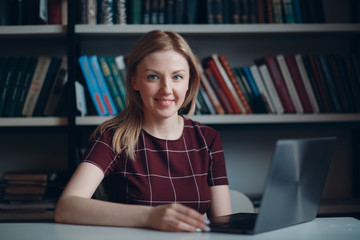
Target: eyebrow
x=157, y=72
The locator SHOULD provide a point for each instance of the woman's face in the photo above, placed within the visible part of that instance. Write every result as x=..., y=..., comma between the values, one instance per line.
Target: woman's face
x=162, y=79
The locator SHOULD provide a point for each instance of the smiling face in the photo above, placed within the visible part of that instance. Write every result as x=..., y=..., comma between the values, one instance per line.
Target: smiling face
x=162, y=79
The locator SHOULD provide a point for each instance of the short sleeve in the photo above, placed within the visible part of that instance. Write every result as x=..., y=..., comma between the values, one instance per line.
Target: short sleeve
x=101, y=154
x=217, y=169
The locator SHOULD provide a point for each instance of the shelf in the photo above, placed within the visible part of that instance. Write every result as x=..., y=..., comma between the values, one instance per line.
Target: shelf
x=33, y=122
x=229, y=29
x=33, y=31
x=249, y=119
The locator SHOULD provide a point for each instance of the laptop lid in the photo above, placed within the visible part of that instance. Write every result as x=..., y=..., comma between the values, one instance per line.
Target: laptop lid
x=295, y=182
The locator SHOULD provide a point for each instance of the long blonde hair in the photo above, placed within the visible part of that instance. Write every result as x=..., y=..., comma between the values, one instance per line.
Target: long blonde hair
x=127, y=125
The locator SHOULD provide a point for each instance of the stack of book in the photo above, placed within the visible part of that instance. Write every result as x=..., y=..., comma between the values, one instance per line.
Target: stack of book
x=27, y=186
x=32, y=86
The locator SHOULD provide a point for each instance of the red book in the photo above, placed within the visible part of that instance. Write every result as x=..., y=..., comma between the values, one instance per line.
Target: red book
x=54, y=11
x=279, y=83
x=299, y=84
x=224, y=62
x=221, y=95
x=211, y=64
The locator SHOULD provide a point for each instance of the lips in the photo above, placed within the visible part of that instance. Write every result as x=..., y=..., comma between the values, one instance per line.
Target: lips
x=164, y=102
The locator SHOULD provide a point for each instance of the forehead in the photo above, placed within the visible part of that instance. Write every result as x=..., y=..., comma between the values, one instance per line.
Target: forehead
x=162, y=59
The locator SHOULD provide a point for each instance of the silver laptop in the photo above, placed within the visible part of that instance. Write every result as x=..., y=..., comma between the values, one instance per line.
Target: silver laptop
x=293, y=188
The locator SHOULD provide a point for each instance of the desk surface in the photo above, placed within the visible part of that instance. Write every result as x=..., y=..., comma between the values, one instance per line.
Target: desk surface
x=320, y=228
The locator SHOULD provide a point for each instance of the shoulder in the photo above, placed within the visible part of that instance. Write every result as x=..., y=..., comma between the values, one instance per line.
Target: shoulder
x=196, y=127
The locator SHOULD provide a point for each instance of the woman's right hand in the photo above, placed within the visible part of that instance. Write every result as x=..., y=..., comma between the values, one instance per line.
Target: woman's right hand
x=176, y=218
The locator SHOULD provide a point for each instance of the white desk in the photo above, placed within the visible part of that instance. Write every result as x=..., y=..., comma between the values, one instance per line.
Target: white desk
x=319, y=229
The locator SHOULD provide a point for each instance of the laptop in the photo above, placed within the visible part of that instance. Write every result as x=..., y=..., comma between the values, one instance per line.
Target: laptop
x=293, y=188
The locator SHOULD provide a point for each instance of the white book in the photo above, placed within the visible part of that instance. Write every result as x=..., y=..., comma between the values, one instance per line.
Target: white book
x=289, y=83
x=261, y=87
x=307, y=83
x=228, y=83
x=268, y=82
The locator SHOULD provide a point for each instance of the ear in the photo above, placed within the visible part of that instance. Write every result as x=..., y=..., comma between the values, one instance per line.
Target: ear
x=134, y=84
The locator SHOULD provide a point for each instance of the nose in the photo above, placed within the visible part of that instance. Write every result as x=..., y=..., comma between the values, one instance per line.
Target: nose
x=166, y=85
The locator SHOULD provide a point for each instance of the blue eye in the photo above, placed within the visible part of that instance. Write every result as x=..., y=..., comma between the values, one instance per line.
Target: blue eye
x=177, y=77
x=153, y=77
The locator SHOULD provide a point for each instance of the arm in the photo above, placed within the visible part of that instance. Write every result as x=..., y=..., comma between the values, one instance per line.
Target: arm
x=76, y=206
x=220, y=201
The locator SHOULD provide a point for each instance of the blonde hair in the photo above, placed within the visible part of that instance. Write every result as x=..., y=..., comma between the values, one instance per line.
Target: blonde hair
x=127, y=125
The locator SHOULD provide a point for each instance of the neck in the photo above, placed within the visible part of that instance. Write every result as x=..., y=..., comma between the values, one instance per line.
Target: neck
x=169, y=128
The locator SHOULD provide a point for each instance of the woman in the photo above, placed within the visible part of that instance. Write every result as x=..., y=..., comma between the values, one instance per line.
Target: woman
x=166, y=170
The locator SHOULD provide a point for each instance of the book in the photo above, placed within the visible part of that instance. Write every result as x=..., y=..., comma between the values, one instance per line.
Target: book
x=7, y=79
x=37, y=82
x=179, y=11
x=340, y=82
x=289, y=83
x=57, y=89
x=210, y=11
x=169, y=11
x=264, y=94
x=106, y=11
x=330, y=84
x=269, y=85
x=242, y=82
x=297, y=11
x=314, y=70
x=308, y=86
x=26, y=85
x=54, y=12
x=209, y=62
x=288, y=11
x=229, y=72
x=209, y=90
x=269, y=11
x=104, y=89
x=298, y=83
x=15, y=87
x=110, y=81
x=261, y=11
x=219, y=92
x=191, y=10
x=120, y=12
x=279, y=83
x=259, y=104
x=27, y=176
x=277, y=10
x=118, y=76
x=135, y=11
x=92, y=86
x=228, y=83
x=46, y=88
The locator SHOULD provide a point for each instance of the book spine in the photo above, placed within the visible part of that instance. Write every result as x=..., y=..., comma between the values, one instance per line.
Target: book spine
x=268, y=82
x=277, y=9
x=298, y=83
x=9, y=75
x=288, y=10
x=221, y=95
x=57, y=89
x=261, y=87
x=111, y=84
x=228, y=83
x=279, y=84
x=118, y=79
x=307, y=84
x=330, y=84
x=15, y=88
x=289, y=83
x=104, y=90
x=120, y=16
x=36, y=85
x=136, y=11
x=210, y=91
x=92, y=86
x=106, y=14
x=225, y=64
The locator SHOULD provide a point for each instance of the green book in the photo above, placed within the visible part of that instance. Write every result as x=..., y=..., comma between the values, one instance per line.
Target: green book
x=6, y=81
x=110, y=81
x=119, y=81
x=15, y=87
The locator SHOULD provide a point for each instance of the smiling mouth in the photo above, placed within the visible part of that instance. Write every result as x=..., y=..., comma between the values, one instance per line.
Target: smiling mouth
x=164, y=100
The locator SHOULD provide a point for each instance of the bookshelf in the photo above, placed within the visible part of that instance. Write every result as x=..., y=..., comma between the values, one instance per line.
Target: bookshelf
x=243, y=135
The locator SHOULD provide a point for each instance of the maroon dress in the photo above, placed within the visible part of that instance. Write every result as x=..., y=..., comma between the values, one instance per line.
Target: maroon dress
x=164, y=171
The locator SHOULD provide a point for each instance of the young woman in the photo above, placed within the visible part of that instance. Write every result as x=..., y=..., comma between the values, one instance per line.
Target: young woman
x=166, y=170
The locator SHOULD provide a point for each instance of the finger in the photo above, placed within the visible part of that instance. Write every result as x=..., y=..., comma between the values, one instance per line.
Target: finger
x=191, y=217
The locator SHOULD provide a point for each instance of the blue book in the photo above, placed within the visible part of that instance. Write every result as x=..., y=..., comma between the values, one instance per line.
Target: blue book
x=297, y=11
x=92, y=86
x=104, y=90
x=260, y=106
